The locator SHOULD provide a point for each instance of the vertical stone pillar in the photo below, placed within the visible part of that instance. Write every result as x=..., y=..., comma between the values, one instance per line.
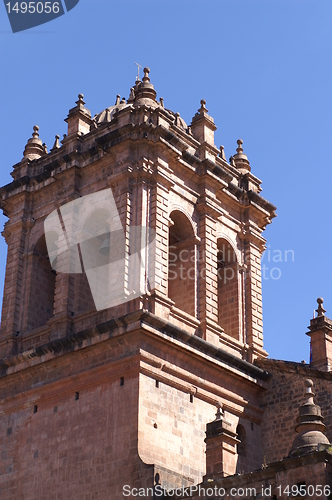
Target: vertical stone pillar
x=14, y=296
x=159, y=221
x=321, y=340
x=221, y=453
x=208, y=277
x=79, y=118
x=203, y=128
x=138, y=230
x=252, y=276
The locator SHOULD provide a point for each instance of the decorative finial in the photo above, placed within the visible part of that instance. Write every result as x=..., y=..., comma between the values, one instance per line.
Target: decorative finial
x=56, y=144
x=231, y=161
x=80, y=103
x=146, y=78
x=145, y=93
x=34, y=148
x=320, y=309
x=123, y=100
x=220, y=413
x=118, y=97
x=222, y=153
x=240, y=159
x=309, y=393
x=203, y=109
x=239, y=149
x=161, y=100
x=45, y=148
x=310, y=426
x=35, y=133
x=132, y=95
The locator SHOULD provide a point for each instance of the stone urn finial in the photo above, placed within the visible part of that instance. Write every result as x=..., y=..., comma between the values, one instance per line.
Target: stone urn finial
x=320, y=309
x=310, y=427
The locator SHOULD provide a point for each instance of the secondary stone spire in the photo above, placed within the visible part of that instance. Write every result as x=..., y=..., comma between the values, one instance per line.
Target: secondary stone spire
x=202, y=125
x=34, y=148
x=320, y=309
x=221, y=442
x=56, y=144
x=79, y=118
x=310, y=425
x=321, y=339
x=222, y=153
x=145, y=92
x=240, y=159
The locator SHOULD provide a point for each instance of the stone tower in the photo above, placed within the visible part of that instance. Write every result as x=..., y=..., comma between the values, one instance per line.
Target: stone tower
x=132, y=303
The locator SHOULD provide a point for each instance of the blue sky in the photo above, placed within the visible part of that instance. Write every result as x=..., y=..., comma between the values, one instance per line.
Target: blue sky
x=265, y=70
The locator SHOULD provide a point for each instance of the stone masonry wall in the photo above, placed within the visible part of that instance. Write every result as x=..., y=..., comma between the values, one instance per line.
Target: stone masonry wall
x=281, y=404
x=71, y=435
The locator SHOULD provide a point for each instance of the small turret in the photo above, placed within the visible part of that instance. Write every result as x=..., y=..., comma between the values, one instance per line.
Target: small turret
x=202, y=125
x=321, y=339
x=144, y=91
x=56, y=144
x=221, y=442
x=240, y=159
x=34, y=148
x=309, y=426
x=79, y=118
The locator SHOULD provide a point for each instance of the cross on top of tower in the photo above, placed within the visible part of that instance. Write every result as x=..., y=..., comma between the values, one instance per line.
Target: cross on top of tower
x=138, y=67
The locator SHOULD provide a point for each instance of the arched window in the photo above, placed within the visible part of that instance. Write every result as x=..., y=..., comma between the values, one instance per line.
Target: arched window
x=241, y=436
x=181, y=263
x=96, y=248
x=228, y=289
x=42, y=287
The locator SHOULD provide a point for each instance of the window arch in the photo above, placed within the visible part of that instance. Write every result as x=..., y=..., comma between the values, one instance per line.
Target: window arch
x=228, y=289
x=96, y=247
x=181, y=263
x=42, y=287
x=241, y=445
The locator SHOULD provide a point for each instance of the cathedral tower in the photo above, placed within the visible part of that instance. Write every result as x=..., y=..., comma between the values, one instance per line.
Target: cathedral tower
x=132, y=303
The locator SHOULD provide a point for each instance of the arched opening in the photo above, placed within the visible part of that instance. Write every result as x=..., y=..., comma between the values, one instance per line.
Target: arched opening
x=241, y=445
x=42, y=287
x=95, y=249
x=181, y=263
x=241, y=449
x=228, y=289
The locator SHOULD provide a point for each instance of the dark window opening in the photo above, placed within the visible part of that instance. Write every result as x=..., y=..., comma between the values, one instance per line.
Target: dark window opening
x=42, y=287
x=228, y=289
x=182, y=263
x=241, y=436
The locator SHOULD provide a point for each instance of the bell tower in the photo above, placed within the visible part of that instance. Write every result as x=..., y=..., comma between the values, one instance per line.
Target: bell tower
x=133, y=276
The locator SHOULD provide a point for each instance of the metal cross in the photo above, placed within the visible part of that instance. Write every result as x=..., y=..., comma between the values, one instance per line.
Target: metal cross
x=138, y=67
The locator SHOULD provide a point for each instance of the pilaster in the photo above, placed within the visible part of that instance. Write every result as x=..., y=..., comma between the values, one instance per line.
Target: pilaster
x=221, y=453
x=321, y=340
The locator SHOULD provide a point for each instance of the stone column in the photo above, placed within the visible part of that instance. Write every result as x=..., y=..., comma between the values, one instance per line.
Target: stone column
x=221, y=453
x=321, y=340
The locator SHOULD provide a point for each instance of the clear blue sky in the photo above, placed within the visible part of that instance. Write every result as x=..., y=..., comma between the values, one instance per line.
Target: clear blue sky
x=265, y=70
